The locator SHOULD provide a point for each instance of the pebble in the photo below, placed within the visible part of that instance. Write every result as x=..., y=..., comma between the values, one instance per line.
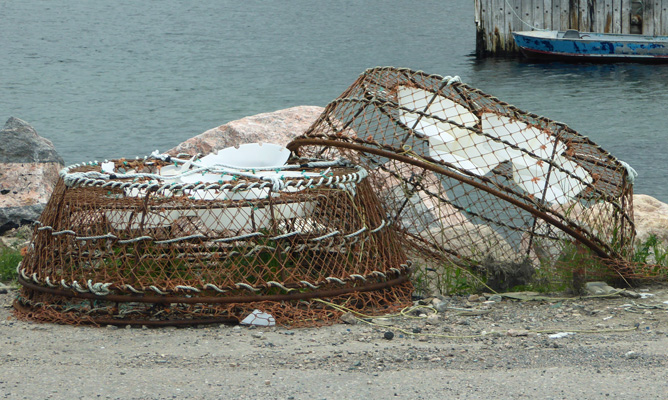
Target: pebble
x=439, y=305
x=630, y=293
x=4, y=288
x=495, y=298
x=389, y=335
x=349, y=318
x=517, y=332
x=257, y=335
x=631, y=355
x=473, y=298
x=599, y=288
x=383, y=322
x=432, y=319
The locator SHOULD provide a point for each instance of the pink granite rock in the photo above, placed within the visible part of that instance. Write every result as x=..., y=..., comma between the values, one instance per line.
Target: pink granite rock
x=651, y=218
x=278, y=127
x=29, y=166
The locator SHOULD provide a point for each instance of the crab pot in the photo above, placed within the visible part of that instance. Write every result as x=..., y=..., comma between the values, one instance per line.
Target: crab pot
x=476, y=183
x=132, y=247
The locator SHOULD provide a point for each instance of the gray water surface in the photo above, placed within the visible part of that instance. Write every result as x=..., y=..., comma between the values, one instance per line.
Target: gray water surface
x=123, y=78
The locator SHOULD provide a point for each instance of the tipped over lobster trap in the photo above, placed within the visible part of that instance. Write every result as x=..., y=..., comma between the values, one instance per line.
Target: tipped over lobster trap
x=471, y=181
x=184, y=241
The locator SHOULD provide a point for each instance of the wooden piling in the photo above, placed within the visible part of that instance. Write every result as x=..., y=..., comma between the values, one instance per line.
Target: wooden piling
x=496, y=19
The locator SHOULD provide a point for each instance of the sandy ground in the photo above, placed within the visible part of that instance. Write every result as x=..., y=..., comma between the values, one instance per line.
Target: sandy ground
x=627, y=357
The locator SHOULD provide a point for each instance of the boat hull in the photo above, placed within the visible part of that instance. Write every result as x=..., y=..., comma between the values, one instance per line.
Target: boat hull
x=589, y=47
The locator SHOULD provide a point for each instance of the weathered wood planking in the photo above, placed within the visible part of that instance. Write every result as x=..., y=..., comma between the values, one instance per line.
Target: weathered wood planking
x=496, y=19
x=626, y=16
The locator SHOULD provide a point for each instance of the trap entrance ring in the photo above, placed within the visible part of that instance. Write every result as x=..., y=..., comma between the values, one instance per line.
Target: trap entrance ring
x=471, y=180
x=144, y=242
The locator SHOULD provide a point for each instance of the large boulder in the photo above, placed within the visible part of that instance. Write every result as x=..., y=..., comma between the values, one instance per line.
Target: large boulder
x=651, y=218
x=28, y=173
x=278, y=127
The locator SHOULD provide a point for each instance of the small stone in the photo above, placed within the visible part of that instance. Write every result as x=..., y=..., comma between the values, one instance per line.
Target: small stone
x=112, y=327
x=383, y=322
x=517, y=332
x=267, y=382
x=389, y=335
x=630, y=293
x=495, y=298
x=349, y=318
x=432, y=319
x=441, y=306
x=3, y=288
x=417, y=330
x=473, y=298
x=257, y=335
x=631, y=355
x=599, y=288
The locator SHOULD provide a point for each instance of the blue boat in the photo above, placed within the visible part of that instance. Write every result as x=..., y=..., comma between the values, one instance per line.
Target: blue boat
x=572, y=45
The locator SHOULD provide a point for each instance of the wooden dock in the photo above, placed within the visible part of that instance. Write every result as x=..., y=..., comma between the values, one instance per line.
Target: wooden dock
x=496, y=19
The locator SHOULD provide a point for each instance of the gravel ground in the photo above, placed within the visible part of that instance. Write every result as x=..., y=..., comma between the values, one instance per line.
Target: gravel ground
x=470, y=350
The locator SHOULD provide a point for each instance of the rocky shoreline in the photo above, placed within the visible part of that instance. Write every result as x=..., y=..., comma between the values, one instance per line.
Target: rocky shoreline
x=31, y=165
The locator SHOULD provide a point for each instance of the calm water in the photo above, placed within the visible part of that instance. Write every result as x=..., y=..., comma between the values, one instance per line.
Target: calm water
x=123, y=78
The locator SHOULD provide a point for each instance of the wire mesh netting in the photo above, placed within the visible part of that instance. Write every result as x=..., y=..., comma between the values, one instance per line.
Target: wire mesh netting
x=169, y=241
x=439, y=173
x=474, y=182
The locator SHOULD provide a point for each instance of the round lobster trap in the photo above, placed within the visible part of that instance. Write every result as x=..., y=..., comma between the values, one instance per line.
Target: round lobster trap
x=470, y=181
x=168, y=241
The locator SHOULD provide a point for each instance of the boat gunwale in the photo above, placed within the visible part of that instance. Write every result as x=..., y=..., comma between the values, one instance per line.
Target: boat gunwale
x=593, y=37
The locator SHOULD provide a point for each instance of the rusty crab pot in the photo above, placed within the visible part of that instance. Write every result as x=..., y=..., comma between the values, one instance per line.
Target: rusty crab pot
x=168, y=241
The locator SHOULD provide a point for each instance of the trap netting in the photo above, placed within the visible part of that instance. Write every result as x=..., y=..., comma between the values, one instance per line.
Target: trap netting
x=174, y=241
x=471, y=181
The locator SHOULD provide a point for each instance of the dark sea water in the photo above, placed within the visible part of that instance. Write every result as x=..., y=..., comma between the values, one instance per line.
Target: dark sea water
x=123, y=78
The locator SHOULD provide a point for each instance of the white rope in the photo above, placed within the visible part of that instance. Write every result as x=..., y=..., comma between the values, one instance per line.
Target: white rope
x=355, y=233
x=277, y=182
x=331, y=279
x=184, y=287
x=246, y=286
x=179, y=239
x=107, y=236
x=214, y=287
x=132, y=289
x=449, y=80
x=278, y=285
x=381, y=226
x=323, y=237
x=240, y=237
x=157, y=290
x=630, y=172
